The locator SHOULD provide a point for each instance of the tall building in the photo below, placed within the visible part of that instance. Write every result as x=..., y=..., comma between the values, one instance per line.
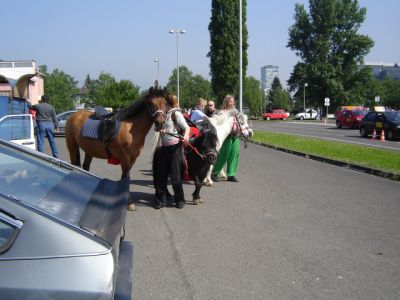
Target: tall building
x=381, y=70
x=268, y=73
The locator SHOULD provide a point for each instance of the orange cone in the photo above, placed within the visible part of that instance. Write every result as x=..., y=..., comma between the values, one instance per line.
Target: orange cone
x=382, y=135
x=374, y=135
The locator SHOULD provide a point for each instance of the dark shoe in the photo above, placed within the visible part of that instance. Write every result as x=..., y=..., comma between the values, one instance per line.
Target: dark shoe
x=215, y=178
x=232, y=178
x=180, y=204
x=159, y=204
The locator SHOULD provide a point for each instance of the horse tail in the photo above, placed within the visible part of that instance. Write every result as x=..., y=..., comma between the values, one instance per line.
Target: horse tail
x=72, y=145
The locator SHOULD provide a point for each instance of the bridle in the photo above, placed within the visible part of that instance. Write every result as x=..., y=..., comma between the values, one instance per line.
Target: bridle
x=154, y=113
x=238, y=127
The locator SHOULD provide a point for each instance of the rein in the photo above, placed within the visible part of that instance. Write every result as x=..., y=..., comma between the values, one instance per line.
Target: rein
x=179, y=136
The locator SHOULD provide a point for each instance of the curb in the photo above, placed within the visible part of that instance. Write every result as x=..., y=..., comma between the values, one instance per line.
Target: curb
x=339, y=163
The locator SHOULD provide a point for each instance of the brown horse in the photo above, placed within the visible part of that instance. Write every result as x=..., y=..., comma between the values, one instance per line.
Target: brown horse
x=136, y=121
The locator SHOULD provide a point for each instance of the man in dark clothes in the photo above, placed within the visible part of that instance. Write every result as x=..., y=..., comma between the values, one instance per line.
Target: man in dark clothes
x=46, y=121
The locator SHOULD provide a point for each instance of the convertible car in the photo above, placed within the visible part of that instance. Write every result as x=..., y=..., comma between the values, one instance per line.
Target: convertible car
x=61, y=230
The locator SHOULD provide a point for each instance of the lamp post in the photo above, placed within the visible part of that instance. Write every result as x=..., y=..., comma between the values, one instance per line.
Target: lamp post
x=177, y=32
x=158, y=69
x=240, y=58
x=304, y=96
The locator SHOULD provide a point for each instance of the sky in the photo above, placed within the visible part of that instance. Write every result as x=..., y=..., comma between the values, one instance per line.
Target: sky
x=123, y=37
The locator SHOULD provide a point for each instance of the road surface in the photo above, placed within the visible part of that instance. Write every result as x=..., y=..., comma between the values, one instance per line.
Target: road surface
x=292, y=228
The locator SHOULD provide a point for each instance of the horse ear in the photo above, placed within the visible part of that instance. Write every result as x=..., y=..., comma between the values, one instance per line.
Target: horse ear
x=151, y=90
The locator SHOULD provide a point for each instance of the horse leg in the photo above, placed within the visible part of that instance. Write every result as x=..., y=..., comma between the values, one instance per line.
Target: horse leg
x=222, y=175
x=87, y=161
x=207, y=181
x=196, y=194
x=126, y=168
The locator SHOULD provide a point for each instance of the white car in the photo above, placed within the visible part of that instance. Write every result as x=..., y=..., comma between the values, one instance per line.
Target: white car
x=18, y=129
x=308, y=114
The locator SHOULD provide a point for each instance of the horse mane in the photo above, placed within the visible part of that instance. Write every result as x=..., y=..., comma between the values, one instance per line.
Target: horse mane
x=137, y=106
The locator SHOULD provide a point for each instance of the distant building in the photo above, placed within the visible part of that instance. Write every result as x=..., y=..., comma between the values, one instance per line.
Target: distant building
x=21, y=79
x=382, y=70
x=268, y=73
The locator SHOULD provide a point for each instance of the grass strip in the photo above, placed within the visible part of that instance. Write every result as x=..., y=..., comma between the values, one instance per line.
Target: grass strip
x=381, y=159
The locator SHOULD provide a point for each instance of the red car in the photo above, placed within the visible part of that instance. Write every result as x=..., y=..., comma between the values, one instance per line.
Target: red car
x=350, y=118
x=276, y=114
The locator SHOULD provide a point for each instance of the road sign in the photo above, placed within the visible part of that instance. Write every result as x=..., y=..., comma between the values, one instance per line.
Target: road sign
x=327, y=100
x=377, y=99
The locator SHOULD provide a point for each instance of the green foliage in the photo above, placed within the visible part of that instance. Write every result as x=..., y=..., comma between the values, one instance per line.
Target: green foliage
x=391, y=93
x=108, y=92
x=330, y=49
x=278, y=98
x=191, y=87
x=224, y=46
x=60, y=88
x=252, y=95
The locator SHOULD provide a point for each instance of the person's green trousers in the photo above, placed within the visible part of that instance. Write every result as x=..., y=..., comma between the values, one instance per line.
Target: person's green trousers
x=229, y=153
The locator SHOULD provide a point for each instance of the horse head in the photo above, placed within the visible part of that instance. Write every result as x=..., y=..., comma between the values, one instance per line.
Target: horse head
x=207, y=142
x=245, y=129
x=157, y=106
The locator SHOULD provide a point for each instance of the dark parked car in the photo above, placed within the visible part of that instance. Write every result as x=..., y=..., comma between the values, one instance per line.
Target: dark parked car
x=61, y=230
x=389, y=121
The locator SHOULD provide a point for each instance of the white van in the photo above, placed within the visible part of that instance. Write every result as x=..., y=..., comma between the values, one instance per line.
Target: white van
x=18, y=129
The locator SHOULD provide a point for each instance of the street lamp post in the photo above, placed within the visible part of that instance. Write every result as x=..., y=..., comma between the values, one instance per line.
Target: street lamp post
x=177, y=32
x=304, y=96
x=240, y=58
x=158, y=69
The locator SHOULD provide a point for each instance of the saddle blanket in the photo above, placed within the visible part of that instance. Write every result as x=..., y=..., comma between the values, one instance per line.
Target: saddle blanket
x=93, y=129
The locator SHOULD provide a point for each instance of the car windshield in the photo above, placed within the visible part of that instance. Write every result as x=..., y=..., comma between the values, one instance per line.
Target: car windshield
x=59, y=191
x=360, y=112
x=393, y=115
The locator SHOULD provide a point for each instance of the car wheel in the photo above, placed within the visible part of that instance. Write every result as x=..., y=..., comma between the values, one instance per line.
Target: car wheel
x=301, y=118
x=389, y=135
x=363, y=132
x=268, y=118
x=338, y=124
x=284, y=119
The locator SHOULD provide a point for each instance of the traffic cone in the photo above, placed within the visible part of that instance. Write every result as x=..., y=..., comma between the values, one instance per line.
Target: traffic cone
x=374, y=135
x=382, y=135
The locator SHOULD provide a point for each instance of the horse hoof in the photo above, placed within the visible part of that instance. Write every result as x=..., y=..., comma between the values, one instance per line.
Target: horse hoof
x=196, y=201
x=132, y=207
x=201, y=200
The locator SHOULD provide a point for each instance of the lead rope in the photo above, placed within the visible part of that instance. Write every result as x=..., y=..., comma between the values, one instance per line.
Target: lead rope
x=179, y=136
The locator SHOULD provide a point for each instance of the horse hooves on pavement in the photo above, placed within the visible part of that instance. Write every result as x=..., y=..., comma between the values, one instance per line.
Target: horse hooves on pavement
x=132, y=207
x=196, y=201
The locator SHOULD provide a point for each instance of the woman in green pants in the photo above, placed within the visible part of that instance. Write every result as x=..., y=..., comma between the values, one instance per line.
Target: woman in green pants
x=229, y=152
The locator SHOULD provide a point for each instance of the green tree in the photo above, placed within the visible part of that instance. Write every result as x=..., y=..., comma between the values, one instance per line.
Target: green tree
x=61, y=89
x=391, y=93
x=330, y=49
x=278, y=98
x=252, y=95
x=191, y=87
x=224, y=46
x=110, y=93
